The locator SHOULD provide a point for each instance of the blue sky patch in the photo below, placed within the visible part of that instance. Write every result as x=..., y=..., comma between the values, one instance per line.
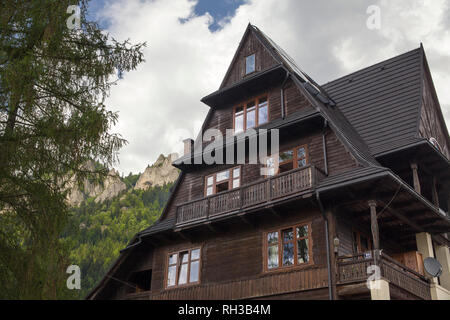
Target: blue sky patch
x=218, y=9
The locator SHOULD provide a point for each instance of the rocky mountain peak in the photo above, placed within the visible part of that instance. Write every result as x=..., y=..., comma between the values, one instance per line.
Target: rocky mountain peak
x=159, y=173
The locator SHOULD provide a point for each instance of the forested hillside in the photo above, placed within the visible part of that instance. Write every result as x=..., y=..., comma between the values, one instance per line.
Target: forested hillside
x=98, y=231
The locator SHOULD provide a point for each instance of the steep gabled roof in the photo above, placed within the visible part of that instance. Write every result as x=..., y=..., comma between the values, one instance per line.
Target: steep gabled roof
x=371, y=111
x=322, y=101
x=382, y=102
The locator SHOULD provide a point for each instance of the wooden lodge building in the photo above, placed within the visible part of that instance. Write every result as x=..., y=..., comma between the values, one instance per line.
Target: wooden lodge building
x=362, y=179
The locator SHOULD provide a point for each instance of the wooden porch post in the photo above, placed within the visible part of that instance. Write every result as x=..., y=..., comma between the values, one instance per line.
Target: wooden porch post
x=434, y=193
x=374, y=224
x=415, y=177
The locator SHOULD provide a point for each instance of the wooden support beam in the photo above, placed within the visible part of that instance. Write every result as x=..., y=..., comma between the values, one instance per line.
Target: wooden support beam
x=163, y=238
x=364, y=228
x=374, y=224
x=416, y=181
x=272, y=210
x=439, y=239
x=434, y=192
x=211, y=227
x=246, y=220
x=183, y=235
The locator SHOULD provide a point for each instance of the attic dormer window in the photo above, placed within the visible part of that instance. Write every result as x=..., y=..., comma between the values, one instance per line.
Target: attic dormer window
x=250, y=64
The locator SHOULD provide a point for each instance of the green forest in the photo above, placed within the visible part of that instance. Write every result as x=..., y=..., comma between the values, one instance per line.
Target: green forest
x=96, y=232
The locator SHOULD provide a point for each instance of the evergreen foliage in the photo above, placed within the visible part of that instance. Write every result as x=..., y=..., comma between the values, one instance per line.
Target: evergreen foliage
x=97, y=232
x=53, y=84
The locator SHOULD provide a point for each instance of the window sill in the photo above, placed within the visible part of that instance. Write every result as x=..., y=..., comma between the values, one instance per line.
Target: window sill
x=309, y=265
x=189, y=285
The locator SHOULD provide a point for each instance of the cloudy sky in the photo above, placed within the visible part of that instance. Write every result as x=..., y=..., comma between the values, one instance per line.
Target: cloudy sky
x=190, y=44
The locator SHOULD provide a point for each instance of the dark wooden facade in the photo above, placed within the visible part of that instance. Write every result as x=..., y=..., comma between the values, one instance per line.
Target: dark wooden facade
x=332, y=195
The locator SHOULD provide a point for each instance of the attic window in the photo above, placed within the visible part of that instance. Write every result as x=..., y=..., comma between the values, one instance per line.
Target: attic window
x=250, y=64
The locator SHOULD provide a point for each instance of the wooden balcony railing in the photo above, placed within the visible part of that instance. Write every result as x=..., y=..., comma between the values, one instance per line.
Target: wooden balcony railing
x=258, y=193
x=351, y=269
x=265, y=285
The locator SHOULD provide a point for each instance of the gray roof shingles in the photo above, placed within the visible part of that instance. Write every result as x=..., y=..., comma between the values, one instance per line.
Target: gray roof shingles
x=382, y=102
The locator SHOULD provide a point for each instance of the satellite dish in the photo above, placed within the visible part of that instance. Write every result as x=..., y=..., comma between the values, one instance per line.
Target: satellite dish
x=432, y=267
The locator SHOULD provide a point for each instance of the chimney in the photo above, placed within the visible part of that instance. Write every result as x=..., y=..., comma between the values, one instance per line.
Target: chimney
x=188, y=146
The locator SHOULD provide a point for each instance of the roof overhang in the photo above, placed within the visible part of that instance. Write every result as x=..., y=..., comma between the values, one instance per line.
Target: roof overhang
x=431, y=159
x=302, y=121
x=249, y=86
x=403, y=208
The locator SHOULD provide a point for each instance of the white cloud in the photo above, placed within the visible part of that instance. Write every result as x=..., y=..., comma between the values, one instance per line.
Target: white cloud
x=159, y=104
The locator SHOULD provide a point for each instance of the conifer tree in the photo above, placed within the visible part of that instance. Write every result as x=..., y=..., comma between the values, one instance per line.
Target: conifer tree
x=54, y=80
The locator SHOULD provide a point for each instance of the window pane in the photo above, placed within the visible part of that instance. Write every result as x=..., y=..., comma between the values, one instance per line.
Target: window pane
x=272, y=261
x=272, y=237
x=288, y=254
x=193, y=274
x=301, y=163
x=236, y=183
x=263, y=115
x=195, y=254
x=302, y=251
x=301, y=153
x=221, y=187
x=171, y=274
x=239, y=123
x=182, y=277
x=184, y=257
x=302, y=231
x=286, y=155
x=210, y=181
x=270, y=165
x=209, y=191
x=270, y=162
x=250, y=64
x=173, y=258
x=236, y=172
x=224, y=175
x=288, y=235
x=251, y=117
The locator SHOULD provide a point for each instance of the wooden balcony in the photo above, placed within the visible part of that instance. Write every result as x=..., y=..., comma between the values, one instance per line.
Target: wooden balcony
x=253, y=195
x=353, y=269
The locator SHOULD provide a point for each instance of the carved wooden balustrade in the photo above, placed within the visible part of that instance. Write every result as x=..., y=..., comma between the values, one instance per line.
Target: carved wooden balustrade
x=255, y=194
x=352, y=269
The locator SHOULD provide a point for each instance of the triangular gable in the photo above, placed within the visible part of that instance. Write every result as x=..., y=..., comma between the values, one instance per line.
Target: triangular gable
x=322, y=102
x=249, y=44
x=431, y=124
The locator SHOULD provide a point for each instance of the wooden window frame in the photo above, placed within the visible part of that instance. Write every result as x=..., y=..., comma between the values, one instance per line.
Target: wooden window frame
x=294, y=159
x=230, y=180
x=244, y=105
x=296, y=265
x=245, y=64
x=178, y=268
